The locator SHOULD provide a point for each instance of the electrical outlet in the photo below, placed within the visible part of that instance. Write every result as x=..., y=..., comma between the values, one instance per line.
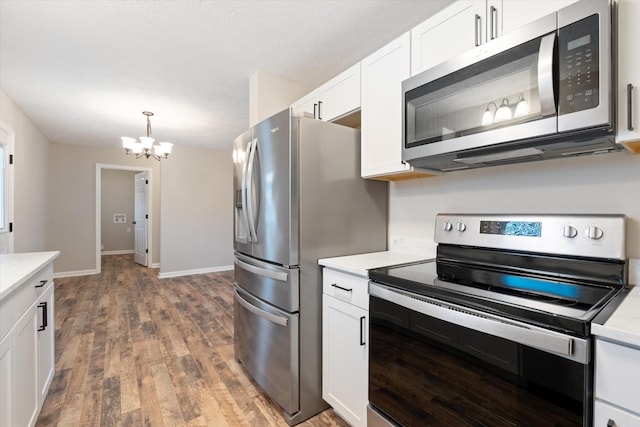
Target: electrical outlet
x=128, y=229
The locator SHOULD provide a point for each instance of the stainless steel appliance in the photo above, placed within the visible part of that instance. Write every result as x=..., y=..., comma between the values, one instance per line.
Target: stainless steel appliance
x=539, y=92
x=496, y=330
x=298, y=197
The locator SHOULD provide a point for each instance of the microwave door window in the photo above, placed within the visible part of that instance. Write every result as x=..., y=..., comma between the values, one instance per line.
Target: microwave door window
x=500, y=91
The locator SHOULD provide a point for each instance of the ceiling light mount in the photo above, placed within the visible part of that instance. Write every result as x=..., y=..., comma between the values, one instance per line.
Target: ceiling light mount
x=145, y=147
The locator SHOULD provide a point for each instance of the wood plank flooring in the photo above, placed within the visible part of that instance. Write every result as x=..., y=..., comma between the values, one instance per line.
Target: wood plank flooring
x=135, y=350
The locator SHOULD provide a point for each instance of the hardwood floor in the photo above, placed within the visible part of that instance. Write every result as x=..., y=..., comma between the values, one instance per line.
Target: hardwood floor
x=135, y=350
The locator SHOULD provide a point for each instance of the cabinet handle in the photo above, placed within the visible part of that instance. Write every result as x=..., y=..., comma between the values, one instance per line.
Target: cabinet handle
x=629, y=107
x=315, y=106
x=611, y=423
x=319, y=111
x=478, y=33
x=43, y=306
x=42, y=283
x=341, y=288
x=362, y=330
x=493, y=22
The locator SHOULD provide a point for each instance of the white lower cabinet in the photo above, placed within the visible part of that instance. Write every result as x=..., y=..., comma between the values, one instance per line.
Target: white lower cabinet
x=617, y=401
x=345, y=345
x=27, y=349
x=25, y=369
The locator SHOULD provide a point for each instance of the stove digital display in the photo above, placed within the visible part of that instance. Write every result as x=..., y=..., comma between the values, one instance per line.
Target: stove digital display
x=511, y=228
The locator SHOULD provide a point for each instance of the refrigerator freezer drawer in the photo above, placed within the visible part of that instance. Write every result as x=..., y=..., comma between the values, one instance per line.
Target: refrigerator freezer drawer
x=266, y=343
x=276, y=285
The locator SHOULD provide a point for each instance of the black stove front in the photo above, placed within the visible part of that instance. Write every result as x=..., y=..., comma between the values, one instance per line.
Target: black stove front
x=493, y=335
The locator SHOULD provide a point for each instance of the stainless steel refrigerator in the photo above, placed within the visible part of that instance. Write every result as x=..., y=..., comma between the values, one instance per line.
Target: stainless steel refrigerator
x=298, y=197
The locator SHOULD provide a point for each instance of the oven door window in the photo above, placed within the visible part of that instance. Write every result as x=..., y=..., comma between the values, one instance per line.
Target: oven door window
x=512, y=87
x=424, y=371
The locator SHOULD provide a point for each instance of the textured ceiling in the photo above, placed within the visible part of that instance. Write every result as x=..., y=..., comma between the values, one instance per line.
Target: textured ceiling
x=83, y=71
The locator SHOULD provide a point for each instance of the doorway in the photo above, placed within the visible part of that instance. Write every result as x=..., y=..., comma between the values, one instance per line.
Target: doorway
x=143, y=202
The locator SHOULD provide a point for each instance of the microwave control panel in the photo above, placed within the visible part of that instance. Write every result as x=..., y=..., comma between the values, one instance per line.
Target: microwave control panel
x=578, y=56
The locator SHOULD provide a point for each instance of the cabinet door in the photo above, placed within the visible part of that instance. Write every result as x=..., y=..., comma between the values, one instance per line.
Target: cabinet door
x=604, y=415
x=629, y=73
x=345, y=362
x=381, y=114
x=25, y=365
x=509, y=15
x=456, y=29
x=340, y=95
x=46, y=342
x=307, y=105
x=6, y=380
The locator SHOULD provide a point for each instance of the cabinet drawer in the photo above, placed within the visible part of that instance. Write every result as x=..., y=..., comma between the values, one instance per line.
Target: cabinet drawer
x=618, y=374
x=604, y=414
x=346, y=287
x=42, y=279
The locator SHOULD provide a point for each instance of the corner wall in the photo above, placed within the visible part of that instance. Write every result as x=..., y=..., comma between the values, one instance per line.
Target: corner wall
x=30, y=179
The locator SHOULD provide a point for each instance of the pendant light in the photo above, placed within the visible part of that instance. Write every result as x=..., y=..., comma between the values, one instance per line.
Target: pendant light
x=145, y=147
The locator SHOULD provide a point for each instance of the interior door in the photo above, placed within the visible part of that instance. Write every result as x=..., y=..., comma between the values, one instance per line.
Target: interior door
x=6, y=189
x=141, y=183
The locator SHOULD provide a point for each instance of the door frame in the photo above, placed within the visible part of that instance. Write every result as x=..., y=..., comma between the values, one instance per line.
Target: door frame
x=99, y=168
x=10, y=183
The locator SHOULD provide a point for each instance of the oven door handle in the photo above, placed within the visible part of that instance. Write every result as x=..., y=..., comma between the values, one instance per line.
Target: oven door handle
x=529, y=335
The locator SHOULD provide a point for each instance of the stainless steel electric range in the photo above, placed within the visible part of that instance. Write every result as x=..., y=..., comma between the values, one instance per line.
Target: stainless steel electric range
x=496, y=330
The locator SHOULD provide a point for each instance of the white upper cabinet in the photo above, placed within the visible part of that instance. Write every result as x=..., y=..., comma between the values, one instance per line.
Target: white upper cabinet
x=629, y=74
x=452, y=31
x=381, y=113
x=334, y=99
x=470, y=23
x=508, y=15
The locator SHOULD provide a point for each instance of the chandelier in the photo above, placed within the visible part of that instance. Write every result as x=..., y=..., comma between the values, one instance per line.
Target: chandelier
x=145, y=147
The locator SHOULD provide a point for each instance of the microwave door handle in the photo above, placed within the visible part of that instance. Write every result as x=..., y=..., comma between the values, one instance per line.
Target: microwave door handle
x=251, y=190
x=545, y=75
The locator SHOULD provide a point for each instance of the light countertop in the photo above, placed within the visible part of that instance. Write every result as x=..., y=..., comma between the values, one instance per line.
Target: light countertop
x=624, y=324
x=15, y=269
x=361, y=264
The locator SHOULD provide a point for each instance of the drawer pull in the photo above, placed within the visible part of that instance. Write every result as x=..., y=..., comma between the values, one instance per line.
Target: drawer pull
x=341, y=288
x=43, y=306
x=362, y=323
x=42, y=283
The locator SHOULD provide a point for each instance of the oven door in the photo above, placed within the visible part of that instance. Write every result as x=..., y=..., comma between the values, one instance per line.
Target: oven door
x=434, y=363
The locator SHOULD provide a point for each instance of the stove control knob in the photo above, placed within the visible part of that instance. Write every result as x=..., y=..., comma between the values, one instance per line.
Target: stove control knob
x=594, y=233
x=447, y=226
x=461, y=226
x=569, y=231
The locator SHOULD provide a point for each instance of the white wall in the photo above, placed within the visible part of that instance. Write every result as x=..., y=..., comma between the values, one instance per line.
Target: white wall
x=31, y=179
x=71, y=209
x=606, y=183
x=196, y=210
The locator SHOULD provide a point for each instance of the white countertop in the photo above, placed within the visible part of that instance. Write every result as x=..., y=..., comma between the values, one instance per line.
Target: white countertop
x=624, y=324
x=15, y=269
x=361, y=264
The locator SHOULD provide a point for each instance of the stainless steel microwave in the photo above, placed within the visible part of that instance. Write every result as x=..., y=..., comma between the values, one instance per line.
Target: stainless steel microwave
x=539, y=92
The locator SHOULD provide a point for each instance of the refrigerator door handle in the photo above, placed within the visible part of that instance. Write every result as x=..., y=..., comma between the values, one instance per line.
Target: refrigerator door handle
x=251, y=189
x=245, y=215
x=278, y=320
x=276, y=275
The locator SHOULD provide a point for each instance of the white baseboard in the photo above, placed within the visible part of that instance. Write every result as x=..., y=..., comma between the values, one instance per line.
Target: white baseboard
x=61, y=274
x=156, y=265
x=121, y=252
x=195, y=271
